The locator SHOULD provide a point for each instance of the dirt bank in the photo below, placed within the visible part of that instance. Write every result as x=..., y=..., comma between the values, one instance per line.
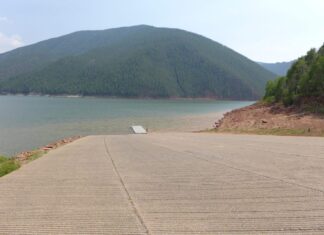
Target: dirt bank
x=25, y=157
x=271, y=119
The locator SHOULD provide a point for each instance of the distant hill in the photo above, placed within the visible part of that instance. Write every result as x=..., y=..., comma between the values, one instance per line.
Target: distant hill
x=137, y=61
x=280, y=68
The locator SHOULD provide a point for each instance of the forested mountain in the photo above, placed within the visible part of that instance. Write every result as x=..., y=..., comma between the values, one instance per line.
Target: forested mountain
x=303, y=84
x=138, y=61
x=279, y=68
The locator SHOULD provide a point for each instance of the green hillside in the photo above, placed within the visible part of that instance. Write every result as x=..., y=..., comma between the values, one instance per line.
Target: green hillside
x=138, y=61
x=303, y=85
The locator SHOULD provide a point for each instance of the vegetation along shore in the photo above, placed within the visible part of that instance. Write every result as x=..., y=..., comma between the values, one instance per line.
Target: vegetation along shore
x=292, y=105
x=9, y=164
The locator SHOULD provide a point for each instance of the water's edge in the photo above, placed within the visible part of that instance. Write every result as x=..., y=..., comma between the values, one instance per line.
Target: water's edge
x=28, y=122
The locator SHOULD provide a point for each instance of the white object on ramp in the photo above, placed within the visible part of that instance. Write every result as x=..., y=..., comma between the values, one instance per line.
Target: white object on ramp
x=138, y=130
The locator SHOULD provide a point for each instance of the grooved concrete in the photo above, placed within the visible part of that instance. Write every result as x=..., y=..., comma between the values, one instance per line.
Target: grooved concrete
x=170, y=183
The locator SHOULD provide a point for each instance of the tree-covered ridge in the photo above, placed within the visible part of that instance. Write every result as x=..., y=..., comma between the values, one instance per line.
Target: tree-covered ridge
x=279, y=68
x=139, y=61
x=304, y=82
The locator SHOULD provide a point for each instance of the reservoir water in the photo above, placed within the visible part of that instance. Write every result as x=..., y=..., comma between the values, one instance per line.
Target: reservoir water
x=28, y=122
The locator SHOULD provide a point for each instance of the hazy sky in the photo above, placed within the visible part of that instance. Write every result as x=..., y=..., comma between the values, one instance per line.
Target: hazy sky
x=263, y=30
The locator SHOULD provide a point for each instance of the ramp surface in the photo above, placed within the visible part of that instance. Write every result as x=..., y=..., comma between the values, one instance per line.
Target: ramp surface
x=171, y=183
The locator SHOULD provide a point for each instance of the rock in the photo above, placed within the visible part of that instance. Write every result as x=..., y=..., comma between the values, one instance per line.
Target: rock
x=263, y=121
x=24, y=156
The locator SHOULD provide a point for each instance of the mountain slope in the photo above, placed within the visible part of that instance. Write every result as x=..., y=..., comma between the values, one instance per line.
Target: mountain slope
x=38, y=55
x=279, y=68
x=138, y=61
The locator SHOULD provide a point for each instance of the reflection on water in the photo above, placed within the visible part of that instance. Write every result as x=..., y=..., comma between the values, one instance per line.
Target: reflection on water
x=27, y=122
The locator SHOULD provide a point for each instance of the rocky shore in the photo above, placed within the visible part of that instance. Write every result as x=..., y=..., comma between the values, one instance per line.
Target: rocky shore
x=25, y=157
x=271, y=119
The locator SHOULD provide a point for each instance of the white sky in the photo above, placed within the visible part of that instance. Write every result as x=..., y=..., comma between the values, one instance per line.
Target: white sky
x=263, y=30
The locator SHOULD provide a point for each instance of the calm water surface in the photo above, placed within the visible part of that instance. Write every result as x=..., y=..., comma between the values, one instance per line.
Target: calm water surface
x=27, y=122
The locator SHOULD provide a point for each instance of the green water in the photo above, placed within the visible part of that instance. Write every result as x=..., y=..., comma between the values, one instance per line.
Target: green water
x=27, y=122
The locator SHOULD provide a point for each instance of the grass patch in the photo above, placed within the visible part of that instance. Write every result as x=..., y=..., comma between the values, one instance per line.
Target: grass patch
x=35, y=154
x=7, y=165
x=3, y=159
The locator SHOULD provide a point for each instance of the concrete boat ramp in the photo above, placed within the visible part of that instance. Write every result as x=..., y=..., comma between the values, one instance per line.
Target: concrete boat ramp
x=169, y=183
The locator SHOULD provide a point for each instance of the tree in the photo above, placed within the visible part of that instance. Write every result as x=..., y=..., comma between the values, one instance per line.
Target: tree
x=304, y=81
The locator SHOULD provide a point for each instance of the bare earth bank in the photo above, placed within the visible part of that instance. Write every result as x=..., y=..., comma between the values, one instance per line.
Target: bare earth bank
x=271, y=119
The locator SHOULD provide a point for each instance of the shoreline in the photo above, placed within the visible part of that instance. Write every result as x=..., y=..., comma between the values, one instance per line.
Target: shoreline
x=259, y=119
x=13, y=163
x=119, y=97
x=26, y=156
x=247, y=120
x=41, y=120
x=198, y=123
